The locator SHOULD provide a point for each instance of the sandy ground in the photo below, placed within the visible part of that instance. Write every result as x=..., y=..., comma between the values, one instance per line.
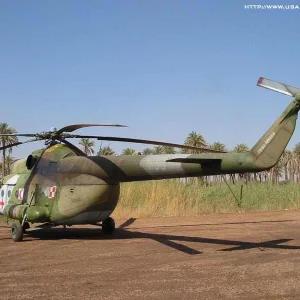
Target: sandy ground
x=228, y=256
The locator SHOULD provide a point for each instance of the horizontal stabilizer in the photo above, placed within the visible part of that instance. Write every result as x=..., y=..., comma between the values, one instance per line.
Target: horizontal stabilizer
x=196, y=160
x=278, y=86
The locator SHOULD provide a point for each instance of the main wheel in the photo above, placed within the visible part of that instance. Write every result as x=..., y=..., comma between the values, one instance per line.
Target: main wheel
x=108, y=226
x=16, y=232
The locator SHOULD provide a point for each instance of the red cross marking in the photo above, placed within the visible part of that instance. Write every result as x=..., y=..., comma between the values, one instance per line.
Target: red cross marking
x=2, y=203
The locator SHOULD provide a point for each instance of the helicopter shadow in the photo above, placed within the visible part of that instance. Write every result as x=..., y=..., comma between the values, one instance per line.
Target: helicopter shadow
x=170, y=240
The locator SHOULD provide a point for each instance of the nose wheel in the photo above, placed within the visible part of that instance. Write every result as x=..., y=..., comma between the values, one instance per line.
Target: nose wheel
x=108, y=226
x=16, y=232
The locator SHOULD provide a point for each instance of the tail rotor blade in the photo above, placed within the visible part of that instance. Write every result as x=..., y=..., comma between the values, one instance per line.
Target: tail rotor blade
x=278, y=86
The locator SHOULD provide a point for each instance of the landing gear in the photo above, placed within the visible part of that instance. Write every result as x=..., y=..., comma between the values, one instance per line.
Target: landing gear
x=26, y=226
x=16, y=232
x=18, y=229
x=108, y=226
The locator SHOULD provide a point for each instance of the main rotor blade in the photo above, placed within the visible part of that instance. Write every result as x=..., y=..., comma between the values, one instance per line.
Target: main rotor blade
x=19, y=134
x=71, y=128
x=140, y=141
x=18, y=143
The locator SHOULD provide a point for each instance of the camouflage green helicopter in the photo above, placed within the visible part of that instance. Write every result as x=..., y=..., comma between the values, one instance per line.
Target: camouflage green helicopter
x=60, y=185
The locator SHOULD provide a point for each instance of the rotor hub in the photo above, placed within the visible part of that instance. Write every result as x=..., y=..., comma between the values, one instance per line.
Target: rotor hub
x=297, y=99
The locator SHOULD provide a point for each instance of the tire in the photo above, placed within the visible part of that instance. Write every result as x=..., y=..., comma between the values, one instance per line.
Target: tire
x=108, y=226
x=16, y=232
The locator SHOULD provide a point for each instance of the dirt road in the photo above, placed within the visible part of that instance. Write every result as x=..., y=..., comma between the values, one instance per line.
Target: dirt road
x=228, y=256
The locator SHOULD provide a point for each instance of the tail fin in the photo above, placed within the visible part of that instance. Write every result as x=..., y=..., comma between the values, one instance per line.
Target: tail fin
x=270, y=147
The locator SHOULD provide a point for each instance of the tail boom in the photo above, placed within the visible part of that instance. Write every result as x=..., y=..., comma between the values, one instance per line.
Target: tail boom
x=264, y=155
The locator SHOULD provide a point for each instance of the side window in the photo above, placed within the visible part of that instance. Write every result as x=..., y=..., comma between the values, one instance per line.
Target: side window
x=9, y=191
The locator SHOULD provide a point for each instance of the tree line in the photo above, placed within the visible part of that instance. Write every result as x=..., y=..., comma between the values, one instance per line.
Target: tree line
x=287, y=169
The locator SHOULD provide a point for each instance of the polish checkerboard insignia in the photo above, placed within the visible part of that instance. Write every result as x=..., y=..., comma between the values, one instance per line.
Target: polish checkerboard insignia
x=52, y=191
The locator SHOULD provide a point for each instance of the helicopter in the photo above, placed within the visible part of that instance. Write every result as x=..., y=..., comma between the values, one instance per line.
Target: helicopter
x=61, y=185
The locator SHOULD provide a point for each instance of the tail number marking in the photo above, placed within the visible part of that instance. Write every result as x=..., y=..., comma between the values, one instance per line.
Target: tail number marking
x=265, y=144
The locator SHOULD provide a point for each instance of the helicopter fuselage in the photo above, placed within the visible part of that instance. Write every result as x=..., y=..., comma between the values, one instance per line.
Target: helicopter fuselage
x=61, y=185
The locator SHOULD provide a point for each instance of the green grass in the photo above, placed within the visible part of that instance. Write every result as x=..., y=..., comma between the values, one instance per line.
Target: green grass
x=173, y=198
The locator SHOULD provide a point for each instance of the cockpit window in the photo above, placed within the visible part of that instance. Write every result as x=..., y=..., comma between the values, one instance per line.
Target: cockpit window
x=2, y=193
x=9, y=193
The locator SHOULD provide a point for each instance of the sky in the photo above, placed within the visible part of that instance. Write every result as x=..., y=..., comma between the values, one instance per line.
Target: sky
x=164, y=68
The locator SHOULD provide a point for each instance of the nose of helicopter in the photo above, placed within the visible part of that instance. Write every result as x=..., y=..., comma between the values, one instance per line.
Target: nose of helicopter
x=2, y=202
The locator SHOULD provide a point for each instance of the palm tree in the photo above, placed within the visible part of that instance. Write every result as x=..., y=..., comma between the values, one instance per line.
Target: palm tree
x=285, y=161
x=296, y=150
x=129, y=151
x=105, y=151
x=8, y=161
x=240, y=148
x=87, y=146
x=158, y=150
x=194, y=139
x=218, y=146
x=147, y=151
x=295, y=162
x=276, y=171
x=169, y=150
x=6, y=140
